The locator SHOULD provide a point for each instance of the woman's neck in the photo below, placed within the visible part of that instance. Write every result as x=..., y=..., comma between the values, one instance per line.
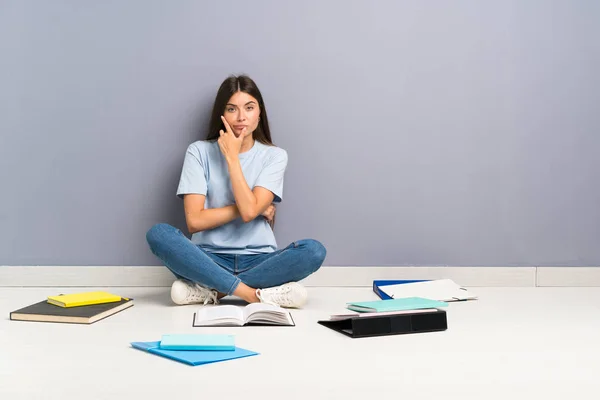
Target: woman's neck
x=247, y=144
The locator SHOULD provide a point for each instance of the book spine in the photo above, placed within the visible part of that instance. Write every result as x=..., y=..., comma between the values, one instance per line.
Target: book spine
x=400, y=324
x=380, y=293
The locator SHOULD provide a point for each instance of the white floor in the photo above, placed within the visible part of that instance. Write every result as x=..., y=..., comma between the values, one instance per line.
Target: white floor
x=511, y=343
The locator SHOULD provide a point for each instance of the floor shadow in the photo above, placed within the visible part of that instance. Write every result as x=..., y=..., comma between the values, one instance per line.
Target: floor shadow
x=234, y=301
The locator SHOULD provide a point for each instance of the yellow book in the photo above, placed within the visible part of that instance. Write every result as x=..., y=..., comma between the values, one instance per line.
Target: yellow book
x=83, y=299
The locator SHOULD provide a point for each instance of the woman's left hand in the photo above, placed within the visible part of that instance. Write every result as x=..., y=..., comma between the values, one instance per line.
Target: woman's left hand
x=269, y=213
x=229, y=144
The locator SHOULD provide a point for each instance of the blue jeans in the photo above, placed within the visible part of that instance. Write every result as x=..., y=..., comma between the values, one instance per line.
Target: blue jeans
x=224, y=272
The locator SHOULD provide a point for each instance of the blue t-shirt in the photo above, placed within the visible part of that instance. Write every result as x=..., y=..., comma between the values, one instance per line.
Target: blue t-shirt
x=205, y=172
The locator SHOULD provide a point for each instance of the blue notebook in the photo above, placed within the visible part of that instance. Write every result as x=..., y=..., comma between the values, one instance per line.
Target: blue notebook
x=408, y=303
x=197, y=341
x=193, y=357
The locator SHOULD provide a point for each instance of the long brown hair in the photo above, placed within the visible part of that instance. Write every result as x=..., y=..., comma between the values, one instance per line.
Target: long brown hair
x=228, y=88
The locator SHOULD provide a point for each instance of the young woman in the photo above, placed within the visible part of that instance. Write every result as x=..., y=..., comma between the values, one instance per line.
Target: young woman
x=229, y=185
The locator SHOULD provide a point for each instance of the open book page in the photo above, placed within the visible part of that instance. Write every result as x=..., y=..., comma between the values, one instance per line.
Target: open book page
x=219, y=315
x=267, y=314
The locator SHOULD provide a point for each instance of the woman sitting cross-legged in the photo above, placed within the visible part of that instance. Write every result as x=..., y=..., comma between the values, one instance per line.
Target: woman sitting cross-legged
x=229, y=185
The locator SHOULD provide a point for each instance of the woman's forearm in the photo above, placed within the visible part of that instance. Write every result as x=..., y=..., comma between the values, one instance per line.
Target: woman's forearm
x=211, y=218
x=244, y=198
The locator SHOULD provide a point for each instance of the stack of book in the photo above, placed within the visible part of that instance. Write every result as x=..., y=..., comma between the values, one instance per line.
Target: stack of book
x=75, y=308
x=406, y=306
x=195, y=349
x=390, y=317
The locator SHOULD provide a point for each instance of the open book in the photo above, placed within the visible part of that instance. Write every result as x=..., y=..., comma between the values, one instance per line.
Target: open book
x=252, y=314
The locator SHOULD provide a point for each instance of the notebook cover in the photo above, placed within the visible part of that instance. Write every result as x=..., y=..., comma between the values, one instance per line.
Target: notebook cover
x=83, y=299
x=207, y=342
x=408, y=303
x=193, y=357
x=46, y=312
x=357, y=327
x=377, y=284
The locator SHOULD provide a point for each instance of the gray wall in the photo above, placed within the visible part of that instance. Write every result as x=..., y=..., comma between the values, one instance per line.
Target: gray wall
x=419, y=133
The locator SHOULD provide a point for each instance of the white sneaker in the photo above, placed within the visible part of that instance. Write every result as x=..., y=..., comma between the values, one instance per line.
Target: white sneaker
x=290, y=295
x=185, y=292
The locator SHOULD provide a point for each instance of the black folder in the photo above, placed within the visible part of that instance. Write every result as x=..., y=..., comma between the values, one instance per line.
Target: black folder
x=382, y=325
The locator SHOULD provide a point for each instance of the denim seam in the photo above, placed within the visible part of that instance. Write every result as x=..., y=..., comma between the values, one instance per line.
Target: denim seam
x=234, y=286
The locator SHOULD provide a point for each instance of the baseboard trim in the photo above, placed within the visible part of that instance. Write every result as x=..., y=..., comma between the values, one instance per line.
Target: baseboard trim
x=85, y=276
x=152, y=276
x=467, y=276
x=568, y=276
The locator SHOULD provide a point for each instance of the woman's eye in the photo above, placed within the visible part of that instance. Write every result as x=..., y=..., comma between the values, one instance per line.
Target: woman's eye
x=230, y=109
x=250, y=108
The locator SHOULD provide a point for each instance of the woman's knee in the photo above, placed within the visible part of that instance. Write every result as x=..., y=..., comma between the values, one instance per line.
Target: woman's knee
x=316, y=252
x=156, y=234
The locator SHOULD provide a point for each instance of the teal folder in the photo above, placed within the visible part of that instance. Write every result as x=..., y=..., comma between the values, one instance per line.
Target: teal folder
x=205, y=342
x=403, y=304
x=193, y=357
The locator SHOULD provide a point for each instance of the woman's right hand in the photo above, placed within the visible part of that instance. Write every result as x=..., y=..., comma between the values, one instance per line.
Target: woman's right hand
x=269, y=213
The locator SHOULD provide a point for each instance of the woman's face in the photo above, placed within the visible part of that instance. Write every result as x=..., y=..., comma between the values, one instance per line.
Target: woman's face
x=242, y=112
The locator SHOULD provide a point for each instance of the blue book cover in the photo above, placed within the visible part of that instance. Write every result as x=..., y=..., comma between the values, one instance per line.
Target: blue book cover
x=378, y=284
x=193, y=357
x=196, y=341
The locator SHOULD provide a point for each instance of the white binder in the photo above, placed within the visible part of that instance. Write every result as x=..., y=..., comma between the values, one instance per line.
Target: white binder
x=441, y=289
